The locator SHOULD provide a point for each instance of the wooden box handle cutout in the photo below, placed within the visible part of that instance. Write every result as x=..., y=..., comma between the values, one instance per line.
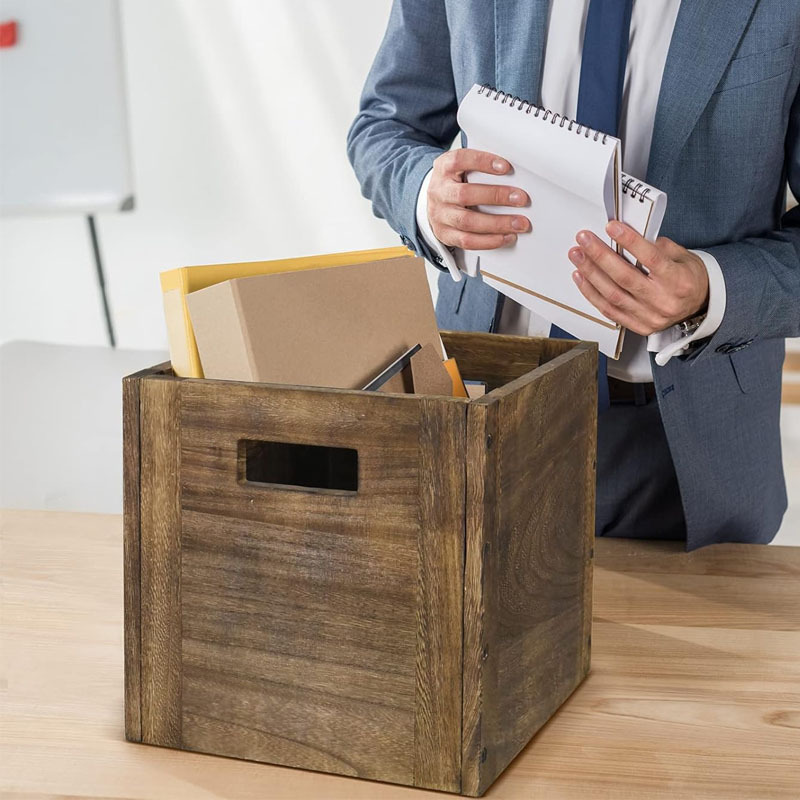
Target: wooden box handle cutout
x=298, y=466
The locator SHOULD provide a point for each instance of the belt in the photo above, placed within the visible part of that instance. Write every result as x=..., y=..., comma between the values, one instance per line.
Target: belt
x=621, y=392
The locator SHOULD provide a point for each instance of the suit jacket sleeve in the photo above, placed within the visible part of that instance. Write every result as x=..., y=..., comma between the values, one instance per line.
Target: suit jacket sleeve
x=407, y=115
x=762, y=274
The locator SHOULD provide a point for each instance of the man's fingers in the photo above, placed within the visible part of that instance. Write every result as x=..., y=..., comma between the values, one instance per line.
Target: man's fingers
x=480, y=194
x=622, y=272
x=597, y=300
x=465, y=219
x=456, y=162
x=651, y=255
x=474, y=241
x=610, y=312
x=612, y=293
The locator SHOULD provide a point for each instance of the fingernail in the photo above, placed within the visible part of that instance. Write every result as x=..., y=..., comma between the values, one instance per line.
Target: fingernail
x=498, y=165
x=576, y=256
x=519, y=224
x=614, y=229
x=515, y=198
x=577, y=277
x=583, y=237
x=509, y=238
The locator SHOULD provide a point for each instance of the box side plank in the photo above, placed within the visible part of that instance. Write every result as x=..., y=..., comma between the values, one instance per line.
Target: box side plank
x=481, y=487
x=442, y=484
x=130, y=555
x=536, y=566
x=301, y=606
x=160, y=525
x=589, y=489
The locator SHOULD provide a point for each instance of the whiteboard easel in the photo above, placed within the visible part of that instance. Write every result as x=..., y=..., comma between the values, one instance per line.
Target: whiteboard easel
x=64, y=142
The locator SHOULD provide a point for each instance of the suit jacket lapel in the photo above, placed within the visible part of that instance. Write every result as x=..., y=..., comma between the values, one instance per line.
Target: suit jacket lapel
x=520, y=30
x=705, y=37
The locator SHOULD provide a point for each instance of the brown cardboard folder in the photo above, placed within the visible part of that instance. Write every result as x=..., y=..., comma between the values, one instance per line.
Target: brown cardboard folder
x=331, y=327
x=176, y=284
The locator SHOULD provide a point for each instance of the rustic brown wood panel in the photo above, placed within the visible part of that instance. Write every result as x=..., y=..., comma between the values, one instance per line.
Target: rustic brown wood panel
x=552, y=348
x=495, y=359
x=160, y=524
x=130, y=558
x=536, y=558
x=442, y=486
x=480, y=522
x=300, y=606
x=382, y=632
x=588, y=489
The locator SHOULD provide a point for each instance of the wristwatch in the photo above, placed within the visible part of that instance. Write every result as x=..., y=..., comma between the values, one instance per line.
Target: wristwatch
x=689, y=326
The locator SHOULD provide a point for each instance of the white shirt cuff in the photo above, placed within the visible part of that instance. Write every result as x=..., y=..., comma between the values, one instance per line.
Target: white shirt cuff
x=424, y=225
x=454, y=258
x=671, y=342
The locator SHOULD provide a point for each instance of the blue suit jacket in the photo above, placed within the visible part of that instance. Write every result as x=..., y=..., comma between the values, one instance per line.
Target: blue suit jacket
x=726, y=139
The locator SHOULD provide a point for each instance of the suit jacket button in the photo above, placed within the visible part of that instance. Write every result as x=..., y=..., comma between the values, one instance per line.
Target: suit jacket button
x=408, y=243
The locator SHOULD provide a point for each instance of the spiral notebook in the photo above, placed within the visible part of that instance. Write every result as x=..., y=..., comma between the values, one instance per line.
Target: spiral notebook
x=573, y=175
x=643, y=208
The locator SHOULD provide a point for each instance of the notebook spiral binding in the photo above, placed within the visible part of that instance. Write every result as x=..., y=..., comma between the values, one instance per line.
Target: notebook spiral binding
x=628, y=188
x=546, y=114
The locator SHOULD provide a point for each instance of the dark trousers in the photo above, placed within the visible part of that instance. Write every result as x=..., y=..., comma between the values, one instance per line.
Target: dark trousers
x=637, y=490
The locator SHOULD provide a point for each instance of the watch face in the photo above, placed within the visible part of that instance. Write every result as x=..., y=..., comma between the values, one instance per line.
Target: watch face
x=689, y=326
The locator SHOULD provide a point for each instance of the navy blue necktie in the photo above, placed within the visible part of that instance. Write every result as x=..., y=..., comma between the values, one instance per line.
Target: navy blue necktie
x=605, y=53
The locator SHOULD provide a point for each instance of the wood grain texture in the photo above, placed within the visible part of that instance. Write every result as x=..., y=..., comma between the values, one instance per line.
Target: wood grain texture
x=131, y=498
x=481, y=522
x=160, y=555
x=295, y=617
x=497, y=359
x=130, y=555
x=707, y=711
x=536, y=554
x=442, y=486
x=589, y=494
x=301, y=607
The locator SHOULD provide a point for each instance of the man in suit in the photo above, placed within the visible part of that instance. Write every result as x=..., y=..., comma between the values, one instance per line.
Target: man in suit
x=704, y=96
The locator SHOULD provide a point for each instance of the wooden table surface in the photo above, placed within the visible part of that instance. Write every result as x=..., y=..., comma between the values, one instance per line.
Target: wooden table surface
x=694, y=690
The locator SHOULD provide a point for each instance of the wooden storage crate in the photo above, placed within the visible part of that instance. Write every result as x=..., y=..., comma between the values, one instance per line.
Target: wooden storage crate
x=393, y=587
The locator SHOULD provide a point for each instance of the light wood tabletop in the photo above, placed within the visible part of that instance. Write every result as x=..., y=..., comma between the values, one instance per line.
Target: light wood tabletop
x=694, y=690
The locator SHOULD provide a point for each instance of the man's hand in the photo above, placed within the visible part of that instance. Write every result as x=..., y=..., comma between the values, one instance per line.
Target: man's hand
x=449, y=197
x=675, y=290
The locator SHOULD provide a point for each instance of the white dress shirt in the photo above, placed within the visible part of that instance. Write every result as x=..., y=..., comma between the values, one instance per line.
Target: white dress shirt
x=651, y=29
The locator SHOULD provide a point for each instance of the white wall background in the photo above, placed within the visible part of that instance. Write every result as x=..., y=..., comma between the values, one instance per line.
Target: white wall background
x=239, y=111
